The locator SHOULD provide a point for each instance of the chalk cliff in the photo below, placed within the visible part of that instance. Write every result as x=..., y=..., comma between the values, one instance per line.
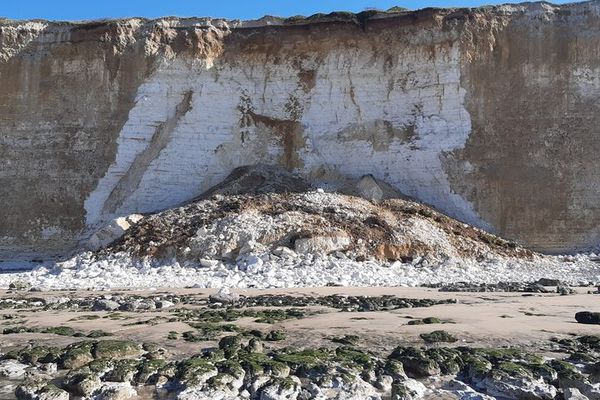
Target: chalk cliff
x=492, y=115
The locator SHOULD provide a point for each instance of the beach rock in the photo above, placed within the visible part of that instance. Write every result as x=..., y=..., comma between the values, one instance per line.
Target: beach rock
x=19, y=285
x=548, y=282
x=416, y=363
x=116, y=391
x=409, y=389
x=569, y=377
x=464, y=391
x=39, y=389
x=573, y=394
x=257, y=383
x=206, y=263
x=162, y=304
x=28, y=389
x=519, y=383
x=259, y=178
x=564, y=290
x=281, y=389
x=209, y=394
x=588, y=390
x=225, y=295
x=588, y=317
x=105, y=305
x=384, y=383
x=116, y=349
x=12, y=369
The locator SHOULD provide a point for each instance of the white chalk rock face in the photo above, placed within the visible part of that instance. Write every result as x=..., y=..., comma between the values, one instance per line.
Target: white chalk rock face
x=352, y=119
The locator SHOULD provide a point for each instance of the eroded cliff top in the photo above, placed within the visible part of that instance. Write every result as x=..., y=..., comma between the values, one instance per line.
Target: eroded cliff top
x=359, y=18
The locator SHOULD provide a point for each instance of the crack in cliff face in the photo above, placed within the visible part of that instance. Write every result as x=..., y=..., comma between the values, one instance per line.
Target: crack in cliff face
x=130, y=181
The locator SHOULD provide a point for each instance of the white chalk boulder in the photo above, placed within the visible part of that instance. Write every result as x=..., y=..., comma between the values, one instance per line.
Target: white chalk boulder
x=112, y=231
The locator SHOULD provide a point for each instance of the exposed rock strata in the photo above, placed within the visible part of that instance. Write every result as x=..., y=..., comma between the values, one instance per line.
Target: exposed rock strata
x=488, y=114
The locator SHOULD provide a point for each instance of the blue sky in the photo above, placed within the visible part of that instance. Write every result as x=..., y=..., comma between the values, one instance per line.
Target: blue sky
x=243, y=9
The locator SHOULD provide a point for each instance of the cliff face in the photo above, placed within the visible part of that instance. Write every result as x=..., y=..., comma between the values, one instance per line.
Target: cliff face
x=491, y=115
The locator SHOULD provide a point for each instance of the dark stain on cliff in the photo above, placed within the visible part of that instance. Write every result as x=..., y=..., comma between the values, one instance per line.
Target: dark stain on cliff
x=379, y=133
x=290, y=134
x=307, y=79
x=62, y=104
x=530, y=164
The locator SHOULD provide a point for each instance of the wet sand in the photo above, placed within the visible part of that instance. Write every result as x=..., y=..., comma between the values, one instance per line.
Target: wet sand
x=477, y=319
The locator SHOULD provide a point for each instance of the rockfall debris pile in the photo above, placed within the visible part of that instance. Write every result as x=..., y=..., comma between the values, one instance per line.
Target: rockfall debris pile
x=260, y=211
x=263, y=227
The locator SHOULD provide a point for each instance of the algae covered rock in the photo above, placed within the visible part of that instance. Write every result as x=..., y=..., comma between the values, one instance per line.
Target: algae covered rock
x=448, y=359
x=425, y=321
x=439, y=336
x=415, y=361
x=255, y=346
x=110, y=349
x=275, y=336
x=77, y=355
x=122, y=371
x=475, y=367
x=83, y=384
x=40, y=390
x=148, y=371
x=230, y=345
x=409, y=389
x=348, y=340
x=42, y=354
x=511, y=380
x=287, y=388
x=195, y=371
